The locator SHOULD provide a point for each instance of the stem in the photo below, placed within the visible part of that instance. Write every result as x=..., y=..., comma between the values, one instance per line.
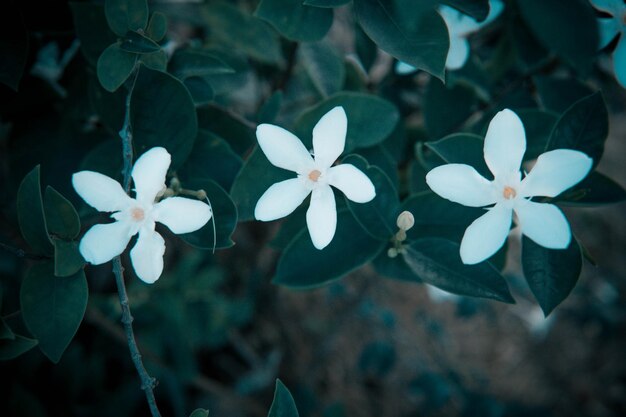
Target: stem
x=147, y=382
x=21, y=253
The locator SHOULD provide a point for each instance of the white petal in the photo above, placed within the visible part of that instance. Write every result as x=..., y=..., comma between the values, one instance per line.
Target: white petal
x=352, y=182
x=182, y=215
x=608, y=28
x=103, y=242
x=458, y=53
x=321, y=217
x=612, y=7
x=329, y=137
x=619, y=60
x=486, y=235
x=555, y=172
x=505, y=144
x=281, y=199
x=100, y=192
x=543, y=223
x=495, y=9
x=459, y=24
x=149, y=174
x=283, y=148
x=147, y=255
x=403, y=68
x=461, y=184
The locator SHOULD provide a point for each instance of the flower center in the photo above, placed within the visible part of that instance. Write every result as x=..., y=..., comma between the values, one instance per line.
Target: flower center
x=509, y=192
x=314, y=175
x=137, y=214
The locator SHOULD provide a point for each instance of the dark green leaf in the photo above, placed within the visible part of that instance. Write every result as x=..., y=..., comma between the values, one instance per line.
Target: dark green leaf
x=395, y=268
x=568, y=27
x=283, y=404
x=212, y=158
x=125, y=15
x=538, y=125
x=326, y=3
x=239, y=135
x=243, y=32
x=108, y=106
x=13, y=45
x=11, y=349
x=156, y=60
x=462, y=148
x=5, y=331
x=105, y=158
x=302, y=266
x=67, y=258
x=157, y=27
x=294, y=20
x=437, y=262
x=255, y=177
x=583, y=127
x=447, y=107
x=196, y=63
x=114, y=67
x=53, y=307
x=163, y=114
x=92, y=29
x=551, y=274
x=139, y=44
x=424, y=46
x=61, y=217
x=478, y=9
x=378, y=217
x=30, y=214
x=595, y=190
x=366, y=50
x=324, y=66
x=199, y=412
x=271, y=108
x=558, y=94
x=370, y=119
x=224, y=216
x=201, y=91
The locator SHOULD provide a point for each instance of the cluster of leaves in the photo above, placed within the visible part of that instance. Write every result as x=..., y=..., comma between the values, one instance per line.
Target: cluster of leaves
x=200, y=90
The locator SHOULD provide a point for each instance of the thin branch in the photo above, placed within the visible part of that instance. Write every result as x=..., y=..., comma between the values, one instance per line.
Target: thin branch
x=147, y=382
x=21, y=253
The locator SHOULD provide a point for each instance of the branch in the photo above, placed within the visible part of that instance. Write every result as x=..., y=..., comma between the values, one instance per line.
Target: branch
x=147, y=382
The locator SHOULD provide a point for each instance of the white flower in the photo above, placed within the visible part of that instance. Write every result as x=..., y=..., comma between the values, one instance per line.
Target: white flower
x=460, y=26
x=609, y=28
x=315, y=175
x=103, y=242
x=505, y=144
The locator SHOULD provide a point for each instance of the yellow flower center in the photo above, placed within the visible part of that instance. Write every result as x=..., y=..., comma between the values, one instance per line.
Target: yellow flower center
x=509, y=192
x=138, y=214
x=314, y=175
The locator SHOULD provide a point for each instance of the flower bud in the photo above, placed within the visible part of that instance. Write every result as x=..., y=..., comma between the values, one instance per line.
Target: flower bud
x=392, y=252
x=405, y=220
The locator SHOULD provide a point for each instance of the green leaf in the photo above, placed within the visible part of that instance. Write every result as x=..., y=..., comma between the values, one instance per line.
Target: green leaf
x=583, y=127
x=538, y=125
x=551, y=274
x=478, y=9
x=567, y=27
x=157, y=27
x=239, y=135
x=105, y=158
x=378, y=217
x=13, y=45
x=201, y=91
x=271, y=108
x=139, y=44
x=437, y=262
x=255, y=177
x=92, y=29
x=370, y=119
x=109, y=106
x=5, y=331
x=447, y=107
x=30, y=214
x=61, y=217
x=243, y=32
x=125, y=15
x=324, y=66
x=558, y=94
x=597, y=189
x=196, y=63
x=212, y=158
x=224, y=216
x=114, y=67
x=283, y=404
x=199, y=412
x=325, y=3
x=53, y=307
x=294, y=20
x=163, y=114
x=424, y=46
x=11, y=349
x=303, y=266
x=462, y=148
x=67, y=258
x=395, y=268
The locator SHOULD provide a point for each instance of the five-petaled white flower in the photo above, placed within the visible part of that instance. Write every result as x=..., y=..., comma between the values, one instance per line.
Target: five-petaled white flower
x=609, y=28
x=103, y=242
x=460, y=26
x=315, y=175
x=505, y=145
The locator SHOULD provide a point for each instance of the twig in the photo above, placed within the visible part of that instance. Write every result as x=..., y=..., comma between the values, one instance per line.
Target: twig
x=21, y=253
x=147, y=382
